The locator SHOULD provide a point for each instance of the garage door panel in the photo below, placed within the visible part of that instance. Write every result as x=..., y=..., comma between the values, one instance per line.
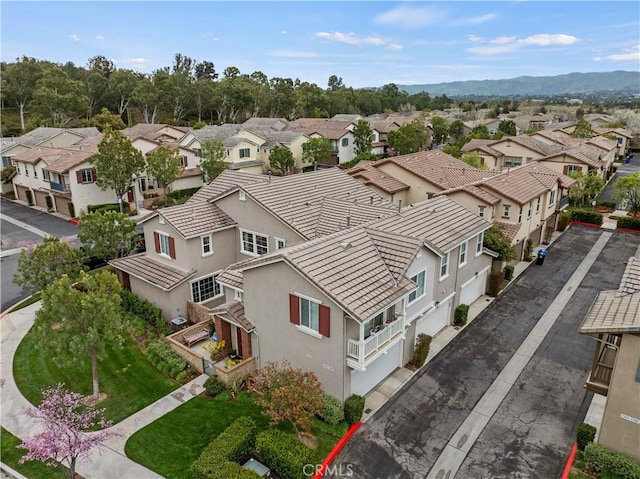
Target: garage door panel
x=364, y=381
x=434, y=322
x=473, y=290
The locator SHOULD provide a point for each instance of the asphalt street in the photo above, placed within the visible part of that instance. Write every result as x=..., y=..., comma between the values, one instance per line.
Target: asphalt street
x=533, y=429
x=622, y=170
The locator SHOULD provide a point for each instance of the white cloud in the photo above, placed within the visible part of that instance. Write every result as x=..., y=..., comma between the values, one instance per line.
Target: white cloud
x=394, y=46
x=410, y=16
x=475, y=38
x=137, y=61
x=475, y=20
x=283, y=32
x=503, y=40
x=545, y=39
x=99, y=37
x=500, y=45
x=350, y=38
x=493, y=49
x=75, y=38
x=629, y=55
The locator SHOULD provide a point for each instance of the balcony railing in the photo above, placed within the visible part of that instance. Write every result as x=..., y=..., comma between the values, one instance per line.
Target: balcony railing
x=361, y=350
x=602, y=367
x=59, y=186
x=563, y=202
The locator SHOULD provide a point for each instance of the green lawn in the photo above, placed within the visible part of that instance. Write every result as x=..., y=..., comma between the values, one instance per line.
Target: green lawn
x=172, y=443
x=128, y=379
x=31, y=469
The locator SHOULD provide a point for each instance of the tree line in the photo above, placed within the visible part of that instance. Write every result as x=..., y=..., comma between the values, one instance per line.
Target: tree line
x=43, y=93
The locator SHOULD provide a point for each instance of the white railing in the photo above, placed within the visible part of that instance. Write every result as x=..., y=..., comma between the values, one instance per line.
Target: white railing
x=360, y=350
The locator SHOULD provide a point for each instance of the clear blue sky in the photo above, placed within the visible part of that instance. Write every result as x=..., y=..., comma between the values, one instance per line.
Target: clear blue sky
x=365, y=43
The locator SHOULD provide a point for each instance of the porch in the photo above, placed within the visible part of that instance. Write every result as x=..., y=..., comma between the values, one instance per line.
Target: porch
x=379, y=339
x=604, y=360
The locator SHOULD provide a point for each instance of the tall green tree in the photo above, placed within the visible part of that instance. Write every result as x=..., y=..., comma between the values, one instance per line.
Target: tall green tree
x=496, y=240
x=456, y=129
x=480, y=132
x=115, y=163
x=105, y=120
x=212, y=157
x=315, y=150
x=627, y=189
x=440, y=129
x=40, y=264
x=164, y=165
x=508, y=127
x=282, y=159
x=122, y=86
x=586, y=187
x=473, y=159
x=362, y=134
x=583, y=130
x=107, y=235
x=19, y=82
x=409, y=138
x=59, y=97
x=81, y=321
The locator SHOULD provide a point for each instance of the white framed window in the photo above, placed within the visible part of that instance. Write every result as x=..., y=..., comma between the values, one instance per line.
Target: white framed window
x=538, y=205
x=529, y=211
x=87, y=175
x=310, y=314
x=164, y=244
x=26, y=171
x=45, y=175
x=444, y=266
x=237, y=295
x=573, y=169
x=183, y=160
x=520, y=215
x=506, y=210
x=242, y=196
x=463, y=255
x=372, y=324
x=482, y=211
x=479, y=242
x=207, y=245
x=552, y=197
x=418, y=293
x=253, y=243
x=245, y=152
x=345, y=142
x=205, y=288
x=512, y=161
x=35, y=172
x=280, y=243
x=18, y=168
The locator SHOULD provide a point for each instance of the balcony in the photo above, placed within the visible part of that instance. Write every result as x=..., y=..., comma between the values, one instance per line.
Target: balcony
x=563, y=203
x=604, y=360
x=59, y=186
x=365, y=350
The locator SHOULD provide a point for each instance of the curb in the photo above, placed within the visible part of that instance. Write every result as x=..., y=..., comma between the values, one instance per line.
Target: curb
x=337, y=448
x=14, y=306
x=567, y=466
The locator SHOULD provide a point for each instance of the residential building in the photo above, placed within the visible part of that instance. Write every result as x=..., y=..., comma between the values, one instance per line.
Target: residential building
x=490, y=158
x=614, y=321
x=585, y=158
x=622, y=137
x=339, y=133
x=520, y=150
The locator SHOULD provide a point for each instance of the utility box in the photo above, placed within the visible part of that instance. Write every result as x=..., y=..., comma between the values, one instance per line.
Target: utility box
x=178, y=324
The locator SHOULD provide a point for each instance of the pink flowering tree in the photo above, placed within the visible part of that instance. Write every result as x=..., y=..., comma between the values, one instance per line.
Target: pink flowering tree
x=63, y=439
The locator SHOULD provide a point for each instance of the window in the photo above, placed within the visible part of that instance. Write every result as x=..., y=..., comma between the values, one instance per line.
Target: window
x=26, y=171
x=6, y=161
x=254, y=243
x=85, y=175
x=237, y=295
x=242, y=196
x=345, y=142
x=463, y=254
x=444, y=266
x=538, y=205
x=479, y=242
x=529, y=159
x=512, y=160
x=207, y=246
x=520, y=215
x=334, y=145
x=552, y=197
x=165, y=244
x=35, y=172
x=572, y=169
x=309, y=314
x=165, y=248
x=529, y=211
x=506, y=209
x=418, y=293
x=205, y=288
x=372, y=324
x=184, y=161
x=481, y=211
x=245, y=152
x=280, y=243
x=18, y=168
x=45, y=175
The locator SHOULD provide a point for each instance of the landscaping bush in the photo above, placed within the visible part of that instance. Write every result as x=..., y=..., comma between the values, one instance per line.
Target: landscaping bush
x=563, y=220
x=460, y=315
x=508, y=272
x=610, y=464
x=353, y=409
x=585, y=434
x=628, y=222
x=182, y=193
x=233, y=470
x=283, y=453
x=234, y=444
x=335, y=430
x=590, y=217
x=213, y=386
x=107, y=207
x=170, y=362
x=29, y=198
x=72, y=210
x=332, y=410
x=609, y=204
x=421, y=351
x=144, y=309
x=495, y=283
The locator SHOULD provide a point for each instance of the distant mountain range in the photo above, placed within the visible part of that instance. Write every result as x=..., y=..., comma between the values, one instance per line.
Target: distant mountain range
x=569, y=84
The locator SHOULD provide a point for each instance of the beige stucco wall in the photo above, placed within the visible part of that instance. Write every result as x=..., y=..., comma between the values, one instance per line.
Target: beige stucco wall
x=616, y=433
x=62, y=139
x=558, y=163
x=168, y=302
x=510, y=148
x=419, y=188
x=472, y=203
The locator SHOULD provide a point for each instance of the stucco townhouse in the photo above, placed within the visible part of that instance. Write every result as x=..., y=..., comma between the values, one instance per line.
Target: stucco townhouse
x=348, y=306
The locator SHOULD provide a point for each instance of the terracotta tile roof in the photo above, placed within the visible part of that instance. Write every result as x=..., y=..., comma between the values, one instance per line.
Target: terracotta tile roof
x=473, y=190
x=216, y=132
x=191, y=220
x=617, y=131
x=602, y=143
x=189, y=172
x=481, y=145
x=151, y=271
x=265, y=123
x=227, y=180
x=274, y=137
x=509, y=229
x=43, y=133
x=231, y=276
x=370, y=175
x=235, y=311
x=58, y=160
x=532, y=143
x=585, y=153
x=440, y=223
x=630, y=282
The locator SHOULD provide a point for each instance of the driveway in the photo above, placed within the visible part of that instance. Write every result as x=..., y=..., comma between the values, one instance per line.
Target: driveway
x=532, y=430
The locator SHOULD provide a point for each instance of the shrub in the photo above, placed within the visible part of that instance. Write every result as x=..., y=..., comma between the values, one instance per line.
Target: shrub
x=233, y=470
x=334, y=430
x=508, y=272
x=495, y=283
x=49, y=202
x=460, y=315
x=353, y=409
x=182, y=377
x=628, y=222
x=611, y=464
x=421, y=351
x=72, y=210
x=585, y=434
x=332, y=410
x=171, y=362
x=590, y=217
x=106, y=207
x=145, y=310
x=609, y=204
x=7, y=171
x=29, y=197
x=283, y=453
x=213, y=386
x=563, y=220
x=182, y=193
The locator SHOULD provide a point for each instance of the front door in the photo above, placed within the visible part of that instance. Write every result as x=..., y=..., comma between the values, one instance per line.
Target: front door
x=239, y=342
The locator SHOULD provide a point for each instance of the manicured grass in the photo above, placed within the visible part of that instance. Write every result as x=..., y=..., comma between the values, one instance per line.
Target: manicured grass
x=31, y=469
x=126, y=377
x=172, y=443
x=34, y=298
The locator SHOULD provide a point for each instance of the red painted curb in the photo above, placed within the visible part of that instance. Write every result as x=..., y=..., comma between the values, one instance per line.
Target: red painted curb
x=567, y=467
x=337, y=448
x=627, y=230
x=581, y=223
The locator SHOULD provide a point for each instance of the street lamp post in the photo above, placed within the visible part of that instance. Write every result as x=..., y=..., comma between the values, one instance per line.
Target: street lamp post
x=133, y=179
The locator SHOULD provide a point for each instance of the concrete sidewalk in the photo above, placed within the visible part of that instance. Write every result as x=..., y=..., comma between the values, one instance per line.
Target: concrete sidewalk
x=107, y=461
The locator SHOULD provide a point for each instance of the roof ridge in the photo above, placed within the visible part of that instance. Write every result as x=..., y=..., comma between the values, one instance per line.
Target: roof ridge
x=375, y=247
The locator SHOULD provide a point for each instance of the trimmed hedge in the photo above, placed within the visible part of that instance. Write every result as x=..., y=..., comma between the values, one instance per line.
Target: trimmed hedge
x=508, y=272
x=145, y=310
x=421, y=351
x=585, y=434
x=234, y=444
x=609, y=204
x=590, y=217
x=332, y=410
x=182, y=193
x=563, y=220
x=233, y=470
x=460, y=315
x=495, y=283
x=628, y=222
x=353, y=409
x=72, y=210
x=610, y=464
x=283, y=453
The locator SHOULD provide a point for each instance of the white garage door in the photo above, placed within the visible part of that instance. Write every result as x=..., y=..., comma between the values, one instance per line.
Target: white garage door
x=474, y=288
x=432, y=323
x=364, y=381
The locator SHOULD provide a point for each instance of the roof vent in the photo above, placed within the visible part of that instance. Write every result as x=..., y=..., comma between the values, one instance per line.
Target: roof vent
x=345, y=246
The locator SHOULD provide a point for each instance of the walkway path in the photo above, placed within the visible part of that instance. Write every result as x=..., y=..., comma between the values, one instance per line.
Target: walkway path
x=106, y=462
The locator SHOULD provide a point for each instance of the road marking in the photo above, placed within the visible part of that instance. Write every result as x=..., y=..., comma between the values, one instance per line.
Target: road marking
x=10, y=252
x=456, y=450
x=31, y=229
